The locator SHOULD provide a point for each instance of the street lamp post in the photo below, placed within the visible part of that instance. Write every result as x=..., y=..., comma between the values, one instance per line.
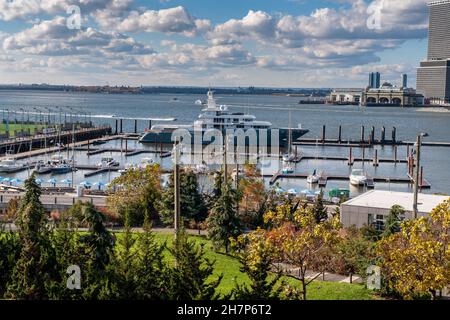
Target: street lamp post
x=417, y=174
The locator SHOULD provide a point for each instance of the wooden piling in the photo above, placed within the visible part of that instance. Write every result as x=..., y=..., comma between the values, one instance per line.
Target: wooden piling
x=375, y=159
x=121, y=126
x=394, y=135
x=135, y=126
x=324, y=129
x=350, y=156
x=362, y=134
x=340, y=134
x=395, y=154
x=117, y=127
x=383, y=135
x=372, y=135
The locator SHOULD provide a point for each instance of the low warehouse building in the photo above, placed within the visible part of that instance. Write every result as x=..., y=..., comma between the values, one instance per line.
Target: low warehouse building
x=372, y=208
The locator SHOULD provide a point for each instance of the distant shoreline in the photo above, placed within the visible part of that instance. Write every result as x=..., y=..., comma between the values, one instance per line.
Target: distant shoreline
x=321, y=92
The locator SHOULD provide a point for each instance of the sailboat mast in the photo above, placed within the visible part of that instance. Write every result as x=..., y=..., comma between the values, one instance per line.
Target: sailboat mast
x=73, y=153
x=290, y=131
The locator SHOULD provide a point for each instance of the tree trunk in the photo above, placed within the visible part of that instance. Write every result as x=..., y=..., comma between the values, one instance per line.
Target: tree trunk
x=351, y=277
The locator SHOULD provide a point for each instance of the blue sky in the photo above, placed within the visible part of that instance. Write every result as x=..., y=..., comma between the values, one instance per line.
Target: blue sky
x=276, y=43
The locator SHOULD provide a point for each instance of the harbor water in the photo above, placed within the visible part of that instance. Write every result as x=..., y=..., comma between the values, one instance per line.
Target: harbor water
x=104, y=108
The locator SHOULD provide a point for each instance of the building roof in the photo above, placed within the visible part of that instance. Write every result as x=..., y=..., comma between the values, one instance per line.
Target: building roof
x=386, y=199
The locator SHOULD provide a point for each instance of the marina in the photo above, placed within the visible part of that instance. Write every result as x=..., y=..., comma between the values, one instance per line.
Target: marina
x=335, y=149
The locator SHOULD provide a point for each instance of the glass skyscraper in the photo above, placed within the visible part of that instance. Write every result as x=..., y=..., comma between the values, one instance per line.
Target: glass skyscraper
x=433, y=75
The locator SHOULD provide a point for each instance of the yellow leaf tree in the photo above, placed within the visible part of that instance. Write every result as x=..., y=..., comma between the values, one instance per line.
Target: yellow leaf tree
x=416, y=261
x=302, y=242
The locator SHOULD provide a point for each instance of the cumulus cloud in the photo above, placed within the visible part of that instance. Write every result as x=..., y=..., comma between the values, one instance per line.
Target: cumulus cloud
x=52, y=37
x=175, y=20
x=24, y=9
x=398, y=20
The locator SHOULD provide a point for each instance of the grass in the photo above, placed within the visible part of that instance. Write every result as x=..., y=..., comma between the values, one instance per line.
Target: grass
x=19, y=127
x=229, y=267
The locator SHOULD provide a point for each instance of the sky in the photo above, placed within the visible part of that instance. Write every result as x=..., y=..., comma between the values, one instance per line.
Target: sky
x=269, y=43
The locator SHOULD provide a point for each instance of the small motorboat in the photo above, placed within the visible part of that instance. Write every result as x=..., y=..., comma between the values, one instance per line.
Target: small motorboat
x=108, y=162
x=288, y=157
x=358, y=177
x=200, y=102
x=313, y=178
x=288, y=170
x=9, y=165
x=43, y=167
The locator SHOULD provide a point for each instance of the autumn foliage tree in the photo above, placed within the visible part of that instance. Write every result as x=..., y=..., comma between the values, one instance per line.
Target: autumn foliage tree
x=257, y=256
x=253, y=197
x=301, y=241
x=416, y=261
x=137, y=192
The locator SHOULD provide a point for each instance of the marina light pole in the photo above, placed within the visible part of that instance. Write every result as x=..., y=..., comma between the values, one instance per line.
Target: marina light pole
x=417, y=174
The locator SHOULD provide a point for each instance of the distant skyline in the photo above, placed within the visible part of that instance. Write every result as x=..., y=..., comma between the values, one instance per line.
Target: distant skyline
x=265, y=43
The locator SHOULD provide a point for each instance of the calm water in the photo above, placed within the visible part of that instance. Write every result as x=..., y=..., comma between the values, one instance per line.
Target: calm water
x=408, y=122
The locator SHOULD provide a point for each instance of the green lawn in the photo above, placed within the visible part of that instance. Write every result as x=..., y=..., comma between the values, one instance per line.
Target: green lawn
x=18, y=128
x=317, y=290
x=229, y=267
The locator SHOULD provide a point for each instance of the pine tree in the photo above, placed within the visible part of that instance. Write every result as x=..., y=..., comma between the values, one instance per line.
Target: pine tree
x=31, y=270
x=319, y=210
x=9, y=254
x=150, y=267
x=124, y=263
x=97, y=247
x=392, y=224
x=190, y=278
x=193, y=207
x=65, y=244
x=223, y=222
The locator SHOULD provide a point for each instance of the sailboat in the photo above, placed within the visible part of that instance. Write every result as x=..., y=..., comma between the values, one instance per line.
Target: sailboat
x=59, y=164
x=289, y=157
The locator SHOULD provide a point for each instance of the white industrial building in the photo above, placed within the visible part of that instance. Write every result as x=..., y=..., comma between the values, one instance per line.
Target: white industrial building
x=372, y=208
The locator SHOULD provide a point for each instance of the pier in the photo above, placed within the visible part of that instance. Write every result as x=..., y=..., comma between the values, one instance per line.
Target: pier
x=23, y=145
x=424, y=184
x=366, y=141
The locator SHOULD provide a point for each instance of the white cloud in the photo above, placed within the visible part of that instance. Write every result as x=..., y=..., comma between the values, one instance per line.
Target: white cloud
x=170, y=21
x=52, y=37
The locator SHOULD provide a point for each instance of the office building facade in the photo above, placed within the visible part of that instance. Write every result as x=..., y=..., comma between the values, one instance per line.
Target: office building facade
x=433, y=75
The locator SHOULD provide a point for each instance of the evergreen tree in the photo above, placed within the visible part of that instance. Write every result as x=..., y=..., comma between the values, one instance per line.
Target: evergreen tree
x=319, y=210
x=9, y=253
x=392, y=224
x=223, y=222
x=98, y=246
x=193, y=207
x=190, y=278
x=123, y=266
x=150, y=267
x=31, y=270
x=65, y=241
